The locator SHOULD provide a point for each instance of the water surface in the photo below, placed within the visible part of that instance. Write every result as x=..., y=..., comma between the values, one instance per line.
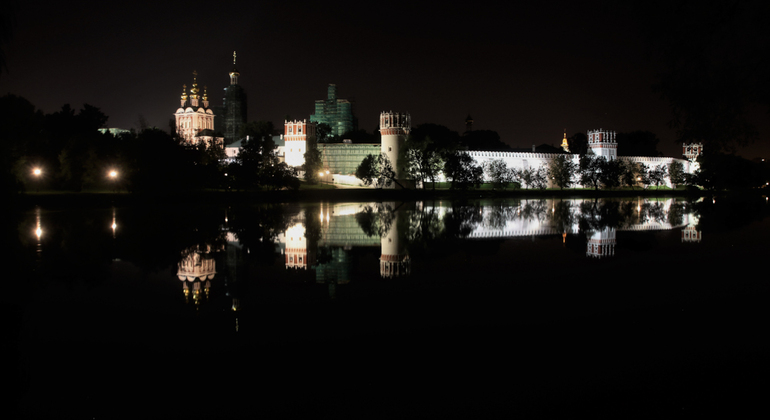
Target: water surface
x=384, y=309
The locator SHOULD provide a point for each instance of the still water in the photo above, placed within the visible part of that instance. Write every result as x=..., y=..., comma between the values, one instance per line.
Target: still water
x=386, y=309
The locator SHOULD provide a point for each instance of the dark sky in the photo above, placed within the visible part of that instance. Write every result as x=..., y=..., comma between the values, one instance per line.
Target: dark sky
x=525, y=71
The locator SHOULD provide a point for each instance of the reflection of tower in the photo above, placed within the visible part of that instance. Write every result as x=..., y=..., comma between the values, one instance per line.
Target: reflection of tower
x=233, y=260
x=195, y=270
x=602, y=243
x=394, y=261
x=690, y=233
x=603, y=143
x=296, y=247
x=394, y=127
x=299, y=135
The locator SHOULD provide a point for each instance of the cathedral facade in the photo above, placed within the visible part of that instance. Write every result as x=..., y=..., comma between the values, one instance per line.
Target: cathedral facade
x=195, y=118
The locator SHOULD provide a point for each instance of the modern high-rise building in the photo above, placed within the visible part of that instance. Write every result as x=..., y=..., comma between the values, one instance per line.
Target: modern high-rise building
x=231, y=116
x=337, y=113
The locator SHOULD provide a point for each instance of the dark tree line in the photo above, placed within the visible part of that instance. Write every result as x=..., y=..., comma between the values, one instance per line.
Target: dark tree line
x=71, y=154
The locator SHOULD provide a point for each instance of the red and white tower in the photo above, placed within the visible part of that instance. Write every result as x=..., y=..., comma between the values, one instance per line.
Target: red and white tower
x=298, y=135
x=394, y=128
x=692, y=151
x=603, y=143
x=602, y=243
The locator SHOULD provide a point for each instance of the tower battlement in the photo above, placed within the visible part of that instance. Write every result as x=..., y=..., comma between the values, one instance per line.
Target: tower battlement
x=395, y=122
x=603, y=143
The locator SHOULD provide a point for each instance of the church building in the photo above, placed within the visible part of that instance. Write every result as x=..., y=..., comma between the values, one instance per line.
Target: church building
x=195, y=119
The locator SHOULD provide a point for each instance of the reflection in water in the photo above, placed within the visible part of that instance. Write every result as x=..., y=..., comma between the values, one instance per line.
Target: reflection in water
x=319, y=239
x=196, y=270
x=422, y=275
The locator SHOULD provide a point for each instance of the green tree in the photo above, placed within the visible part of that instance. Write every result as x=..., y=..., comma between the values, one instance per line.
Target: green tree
x=540, y=178
x=676, y=173
x=258, y=165
x=719, y=171
x=462, y=171
x=377, y=170
x=611, y=171
x=657, y=175
x=562, y=169
x=499, y=174
x=630, y=175
x=589, y=169
x=313, y=164
x=422, y=165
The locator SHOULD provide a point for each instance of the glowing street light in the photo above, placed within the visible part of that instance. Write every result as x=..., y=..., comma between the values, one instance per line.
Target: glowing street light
x=37, y=172
x=113, y=174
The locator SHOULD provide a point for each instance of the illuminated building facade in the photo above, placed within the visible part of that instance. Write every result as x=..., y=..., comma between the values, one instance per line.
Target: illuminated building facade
x=298, y=136
x=195, y=119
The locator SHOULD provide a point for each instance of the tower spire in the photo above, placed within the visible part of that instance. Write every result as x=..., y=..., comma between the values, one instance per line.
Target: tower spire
x=564, y=143
x=234, y=73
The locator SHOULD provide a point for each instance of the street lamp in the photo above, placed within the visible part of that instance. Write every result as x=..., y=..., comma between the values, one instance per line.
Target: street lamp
x=37, y=173
x=113, y=175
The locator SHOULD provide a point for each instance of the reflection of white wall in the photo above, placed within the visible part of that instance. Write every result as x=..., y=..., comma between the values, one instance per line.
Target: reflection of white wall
x=339, y=225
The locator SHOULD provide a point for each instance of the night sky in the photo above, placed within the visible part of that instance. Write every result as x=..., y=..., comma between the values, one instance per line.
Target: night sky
x=525, y=71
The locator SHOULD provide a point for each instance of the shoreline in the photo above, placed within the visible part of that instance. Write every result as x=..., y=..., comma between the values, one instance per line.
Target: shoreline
x=66, y=199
